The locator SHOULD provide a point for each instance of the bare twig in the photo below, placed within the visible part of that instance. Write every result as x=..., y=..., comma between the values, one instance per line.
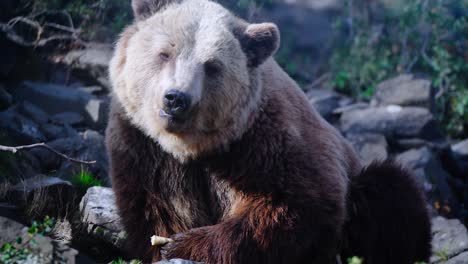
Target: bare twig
x=70, y=20
x=43, y=145
x=60, y=27
x=421, y=53
x=9, y=30
x=427, y=36
x=350, y=19
x=427, y=59
x=43, y=42
x=320, y=80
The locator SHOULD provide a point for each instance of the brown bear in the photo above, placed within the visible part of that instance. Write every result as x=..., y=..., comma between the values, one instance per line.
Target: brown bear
x=212, y=144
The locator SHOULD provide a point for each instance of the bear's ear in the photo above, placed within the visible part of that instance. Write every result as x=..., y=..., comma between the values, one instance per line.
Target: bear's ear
x=259, y=42
x=143, y=9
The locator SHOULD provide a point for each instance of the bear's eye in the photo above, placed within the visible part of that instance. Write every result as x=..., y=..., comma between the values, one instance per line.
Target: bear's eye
x=212, y=68
x=164, y=56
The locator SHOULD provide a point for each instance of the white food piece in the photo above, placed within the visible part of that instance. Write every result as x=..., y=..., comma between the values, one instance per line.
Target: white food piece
x=160, y=241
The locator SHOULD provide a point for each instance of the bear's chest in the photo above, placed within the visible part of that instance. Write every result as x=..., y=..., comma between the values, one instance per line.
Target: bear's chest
x=196, y=195
x=222, y=195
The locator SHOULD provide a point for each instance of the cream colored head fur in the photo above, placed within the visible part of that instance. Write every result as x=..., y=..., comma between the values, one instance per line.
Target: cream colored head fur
x=200, y=48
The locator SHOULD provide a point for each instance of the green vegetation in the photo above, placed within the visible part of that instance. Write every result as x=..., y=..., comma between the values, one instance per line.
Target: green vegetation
x=84, y=180
x=19, y=249
x=443, y=255
x=290, y=60
x=121, y=261
x=118, y=261
x=355, y=260
x=42, y=228
x=428, y=37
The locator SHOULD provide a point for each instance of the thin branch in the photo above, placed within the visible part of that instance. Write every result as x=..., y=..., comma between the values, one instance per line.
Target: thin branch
x=350, y=19
x=421, y=53
x=9, y=29
x=43, y=42
x=60, y=27
x=43, y=145
x=320, y=80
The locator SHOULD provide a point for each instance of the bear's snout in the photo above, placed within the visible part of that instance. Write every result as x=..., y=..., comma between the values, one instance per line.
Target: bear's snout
x=176, y=103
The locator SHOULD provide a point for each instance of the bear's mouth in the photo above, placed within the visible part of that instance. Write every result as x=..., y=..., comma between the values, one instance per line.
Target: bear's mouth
x=164, y=114
x=173, y=123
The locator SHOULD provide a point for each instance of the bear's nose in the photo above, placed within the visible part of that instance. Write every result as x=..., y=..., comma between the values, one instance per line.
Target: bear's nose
x=176, y=102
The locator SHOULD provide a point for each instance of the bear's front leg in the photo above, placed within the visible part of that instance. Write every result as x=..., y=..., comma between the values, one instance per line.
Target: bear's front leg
x=260, y=233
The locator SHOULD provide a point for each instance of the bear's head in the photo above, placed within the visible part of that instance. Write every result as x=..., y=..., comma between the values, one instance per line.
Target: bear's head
x=187, y=73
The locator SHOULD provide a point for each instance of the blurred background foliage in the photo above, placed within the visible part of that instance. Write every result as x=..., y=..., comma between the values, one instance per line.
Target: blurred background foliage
x=111, y=15
x=373, y=41
x=426, y=37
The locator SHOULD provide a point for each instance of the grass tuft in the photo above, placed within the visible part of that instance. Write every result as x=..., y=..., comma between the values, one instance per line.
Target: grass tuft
x=84, y=180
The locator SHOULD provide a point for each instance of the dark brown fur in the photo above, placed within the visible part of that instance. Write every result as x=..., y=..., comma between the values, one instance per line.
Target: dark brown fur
x=289, y=202
x=287, y=207
x=387, y=193
x=283, y=192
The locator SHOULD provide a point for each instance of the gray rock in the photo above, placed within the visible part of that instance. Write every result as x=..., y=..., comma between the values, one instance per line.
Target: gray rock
x=9, y=229
x=30, y=128
x=95, y=149
x=20, y=127
x=324, y=101
x=40, y=182
x=52, y=98
x=430, y=174
x=319, y=93
x=97, y=111
x=461, y=148
x=95, y=90
x=416, y=158
x=350, y=107
x=370, y=147
x=70, y=146
x=411, y=143
x=459, y=259
x=6, y=100
x=404, y=90
x=460, y=156
x=93, y=61
x=42, y=250
x=70, y=118
x=33, y=112
x=55, y=99
x=84, y=146
x=15, y=167
x=99, y=214
x=450, y=239
x=391, y=121
x=44, y=195
x=53, y=132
